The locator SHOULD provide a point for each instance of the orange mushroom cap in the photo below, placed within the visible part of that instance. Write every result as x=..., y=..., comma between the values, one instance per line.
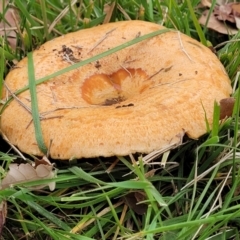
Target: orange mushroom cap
x=135, y=100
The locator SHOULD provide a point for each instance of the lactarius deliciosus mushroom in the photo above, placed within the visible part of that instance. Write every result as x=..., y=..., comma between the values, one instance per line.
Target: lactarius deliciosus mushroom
x=138, y=99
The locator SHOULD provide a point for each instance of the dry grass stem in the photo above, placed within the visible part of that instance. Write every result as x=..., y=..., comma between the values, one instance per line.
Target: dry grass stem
x=123, y=215
x=229, y=155
x=182, y=47
x=112, y=166
x=17, y=99
x=101, y=40
x=108, y=9
x=121, y=9
x=214, y=207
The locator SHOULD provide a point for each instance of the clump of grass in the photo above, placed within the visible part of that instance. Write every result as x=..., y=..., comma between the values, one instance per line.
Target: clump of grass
x=188, y=193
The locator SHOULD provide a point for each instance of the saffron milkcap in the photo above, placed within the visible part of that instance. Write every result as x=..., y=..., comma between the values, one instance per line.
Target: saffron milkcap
x=138, y=99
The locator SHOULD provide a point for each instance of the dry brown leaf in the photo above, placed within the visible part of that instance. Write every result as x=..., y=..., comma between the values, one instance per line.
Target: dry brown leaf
x=8, y=26
x=133, y=200
x=224, y=16
x=3, y=215
x=224, y=12
x=217, y=25
x=226, y=107
x=43, y=161
x=25, y=173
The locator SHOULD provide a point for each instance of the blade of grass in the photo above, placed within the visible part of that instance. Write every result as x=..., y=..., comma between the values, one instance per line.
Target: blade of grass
x=196, y=24
x=129, y=184
x=209, y=14
x=236, y=131
x=23, y=9
x=44, y=17
x=210, y=141
x=34, y=105
x=194, y=223
x=42, y=211
x=2, y=60
x=215, y=124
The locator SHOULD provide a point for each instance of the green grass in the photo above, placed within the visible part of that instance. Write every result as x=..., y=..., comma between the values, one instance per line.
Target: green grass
x=188, y=193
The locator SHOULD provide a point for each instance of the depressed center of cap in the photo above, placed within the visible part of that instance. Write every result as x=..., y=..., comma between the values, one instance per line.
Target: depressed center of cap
x=104, y=89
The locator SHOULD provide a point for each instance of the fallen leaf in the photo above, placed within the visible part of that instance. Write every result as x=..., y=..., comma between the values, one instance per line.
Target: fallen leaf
x=226, y=107
x=43, y=161
x=223, y=18
x=26, y=172
x=133, y=199
x=224, y=13
x=217, y=25
x=3, y=215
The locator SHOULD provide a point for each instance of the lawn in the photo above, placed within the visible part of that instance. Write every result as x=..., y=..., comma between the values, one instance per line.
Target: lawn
x=189, y=192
